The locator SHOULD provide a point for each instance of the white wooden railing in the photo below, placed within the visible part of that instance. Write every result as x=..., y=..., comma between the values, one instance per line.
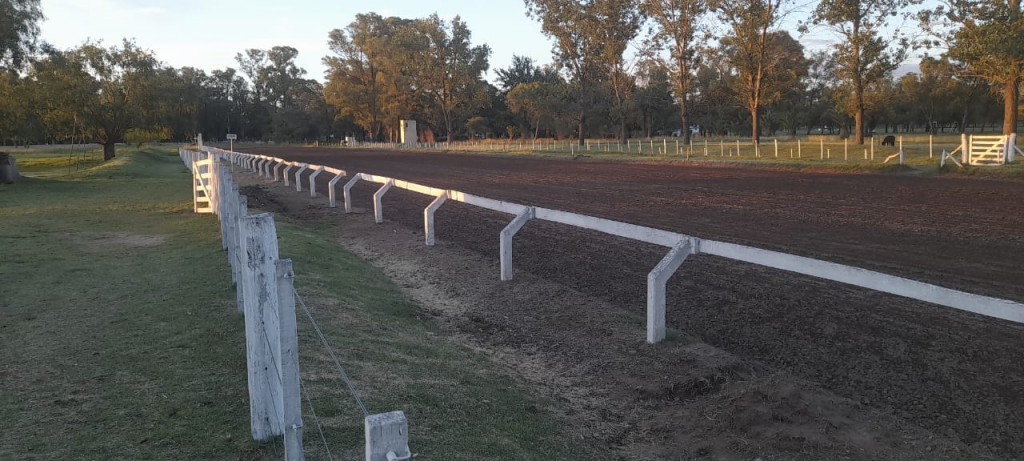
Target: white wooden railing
x=681, y=246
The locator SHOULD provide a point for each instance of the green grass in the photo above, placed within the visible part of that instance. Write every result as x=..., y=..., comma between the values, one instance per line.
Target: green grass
x=119, y=337
x=460, y=403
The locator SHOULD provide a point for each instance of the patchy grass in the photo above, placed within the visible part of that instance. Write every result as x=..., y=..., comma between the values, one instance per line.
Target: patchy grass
x=119, y=337
x=460, y=404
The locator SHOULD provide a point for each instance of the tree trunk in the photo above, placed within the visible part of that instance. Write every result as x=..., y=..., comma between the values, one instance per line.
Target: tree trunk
x=684, y=117
x=583, y=123
x=755, y=129
x=108, y=150
x=622, y=130
x=858, y=119
x=1011, y=93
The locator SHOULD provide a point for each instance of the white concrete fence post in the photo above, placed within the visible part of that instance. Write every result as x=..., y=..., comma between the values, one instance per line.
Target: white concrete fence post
x=286, y=170
x=378, y=208
x=312, y=180
x=656, y=281
x=428, y=217
x=289, y=342
x=331, y=189
x=347, y=192
x=965, y=149
x=387, y=437
x=505, y=241
x=262, y=329
x=277, y=170
x=298, y=180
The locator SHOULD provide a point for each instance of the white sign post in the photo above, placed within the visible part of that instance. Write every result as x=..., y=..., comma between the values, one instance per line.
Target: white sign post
x=231, y=141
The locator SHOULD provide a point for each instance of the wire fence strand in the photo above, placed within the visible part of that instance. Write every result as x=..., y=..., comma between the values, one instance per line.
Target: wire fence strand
x=341, y=370
x=319, y=427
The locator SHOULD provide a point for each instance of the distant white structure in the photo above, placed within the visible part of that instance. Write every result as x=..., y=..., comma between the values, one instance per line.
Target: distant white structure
x=409, y=136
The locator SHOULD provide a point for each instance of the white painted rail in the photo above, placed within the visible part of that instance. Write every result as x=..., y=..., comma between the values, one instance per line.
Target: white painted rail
x=683, y=245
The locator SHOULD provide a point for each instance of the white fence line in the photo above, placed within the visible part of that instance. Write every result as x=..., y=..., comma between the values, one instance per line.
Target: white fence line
x=683, y=245
x=266, y=296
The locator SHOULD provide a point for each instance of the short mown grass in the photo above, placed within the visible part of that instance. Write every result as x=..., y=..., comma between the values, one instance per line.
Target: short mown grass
x=119, y=338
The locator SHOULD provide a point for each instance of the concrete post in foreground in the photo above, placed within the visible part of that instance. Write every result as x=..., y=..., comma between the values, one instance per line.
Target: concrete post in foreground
x=290, y=392
x=505, y=241
x=428, y=217
x=262, y=331
x=241, y=213
x=387, y=437
x=656, y=281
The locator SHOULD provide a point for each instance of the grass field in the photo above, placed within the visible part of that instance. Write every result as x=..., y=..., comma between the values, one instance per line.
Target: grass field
x=119, y=338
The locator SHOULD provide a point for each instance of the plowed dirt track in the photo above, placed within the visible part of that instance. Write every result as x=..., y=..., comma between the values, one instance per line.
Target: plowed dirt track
x=953, y=373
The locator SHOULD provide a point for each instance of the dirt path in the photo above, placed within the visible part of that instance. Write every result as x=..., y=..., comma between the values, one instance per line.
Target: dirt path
x=952, y=373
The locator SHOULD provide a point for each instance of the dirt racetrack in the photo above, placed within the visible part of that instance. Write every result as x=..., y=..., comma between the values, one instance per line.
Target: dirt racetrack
x=953, y=373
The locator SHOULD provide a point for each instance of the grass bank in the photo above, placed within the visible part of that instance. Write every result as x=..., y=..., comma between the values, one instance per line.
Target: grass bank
x=119, y=337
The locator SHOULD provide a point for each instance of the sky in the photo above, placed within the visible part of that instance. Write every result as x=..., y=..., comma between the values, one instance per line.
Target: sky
x=208, y=34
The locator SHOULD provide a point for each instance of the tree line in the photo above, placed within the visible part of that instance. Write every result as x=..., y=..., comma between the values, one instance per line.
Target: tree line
x=620, y=68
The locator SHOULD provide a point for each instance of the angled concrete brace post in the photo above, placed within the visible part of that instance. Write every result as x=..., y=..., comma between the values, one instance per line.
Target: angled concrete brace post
x=298, y=181
x=378, y=211
x=331, y=189
x=286, y=170
x=258, y=165
x=428, y=217
x=656, y=281
x=505, y=241
x=266, y=166
x=347, y=191
x=312, y=180
x=277, y=170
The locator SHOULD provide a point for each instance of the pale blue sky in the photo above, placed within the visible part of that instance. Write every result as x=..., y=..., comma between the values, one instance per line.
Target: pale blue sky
x=208, y=34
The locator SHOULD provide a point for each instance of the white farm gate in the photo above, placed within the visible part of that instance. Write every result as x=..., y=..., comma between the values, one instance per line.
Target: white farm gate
x=984, y=150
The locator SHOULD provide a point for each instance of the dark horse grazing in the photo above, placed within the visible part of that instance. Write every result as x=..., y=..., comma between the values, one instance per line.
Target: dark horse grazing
x=889, y=141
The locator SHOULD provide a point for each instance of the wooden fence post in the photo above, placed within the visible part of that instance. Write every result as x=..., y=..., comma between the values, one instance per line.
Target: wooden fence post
x=289, y=342
x=243, y=211
x=262, y=330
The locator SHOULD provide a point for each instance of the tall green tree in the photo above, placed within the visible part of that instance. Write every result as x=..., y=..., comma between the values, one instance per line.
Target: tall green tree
x=451, y=70
x=19, y=30
x=371, y=72
x=590, y=36
x=987, y=38
x=866, y=52
x=108, y=90
x=681, y=29
x=749, y=43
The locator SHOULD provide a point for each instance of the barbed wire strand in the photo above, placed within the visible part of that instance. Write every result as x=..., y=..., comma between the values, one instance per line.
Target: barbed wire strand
x=319, y=427
x=341, y=370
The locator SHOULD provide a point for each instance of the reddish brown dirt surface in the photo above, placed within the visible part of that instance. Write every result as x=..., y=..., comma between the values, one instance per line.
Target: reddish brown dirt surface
x=952, y=373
